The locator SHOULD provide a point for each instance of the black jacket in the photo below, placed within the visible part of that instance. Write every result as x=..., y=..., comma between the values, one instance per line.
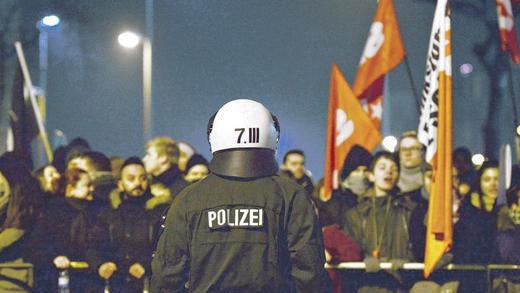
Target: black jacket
x=241, y=235
x=474, y=235
x=65, y=229
x=125, y=236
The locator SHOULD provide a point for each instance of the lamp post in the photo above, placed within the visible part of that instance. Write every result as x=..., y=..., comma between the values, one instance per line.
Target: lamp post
x=130, y=40
x=46, y=22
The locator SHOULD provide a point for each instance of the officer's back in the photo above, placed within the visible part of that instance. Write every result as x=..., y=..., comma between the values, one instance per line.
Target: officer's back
x=242, y=228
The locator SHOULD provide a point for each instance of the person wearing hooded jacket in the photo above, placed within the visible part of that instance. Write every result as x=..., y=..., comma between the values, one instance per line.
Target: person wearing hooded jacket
x=243, y=228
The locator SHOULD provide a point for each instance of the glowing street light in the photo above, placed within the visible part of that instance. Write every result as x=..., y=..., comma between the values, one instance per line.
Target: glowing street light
x=129, y=39
x=478, y=159
x=389, y=143
x=50, y=20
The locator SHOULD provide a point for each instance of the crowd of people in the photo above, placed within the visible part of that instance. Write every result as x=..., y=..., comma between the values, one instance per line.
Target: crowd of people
x=98, y=218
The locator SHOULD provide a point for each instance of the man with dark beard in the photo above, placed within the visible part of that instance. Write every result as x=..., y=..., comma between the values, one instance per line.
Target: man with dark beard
x=124, y=235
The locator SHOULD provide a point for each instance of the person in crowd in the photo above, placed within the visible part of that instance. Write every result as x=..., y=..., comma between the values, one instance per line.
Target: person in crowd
x=475, y=232
x=161, y=161
x=99, y=168
x=65, y=235
x=355, y=182
x=197, y=168
x=411, y=159
x=49, y=179
x=20, y=203
x=379, y=224
x=465, y=169
x=124, y=235
x=508, y=237
x=185, y=152
x=294, y=168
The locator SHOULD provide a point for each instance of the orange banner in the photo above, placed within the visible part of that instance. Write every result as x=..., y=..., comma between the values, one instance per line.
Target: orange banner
x=347, y=125
x=435, y=131
x=384, y=50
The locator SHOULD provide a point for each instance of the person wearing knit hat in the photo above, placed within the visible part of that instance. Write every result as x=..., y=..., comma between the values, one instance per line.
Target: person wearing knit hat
x=354, y=178
x=354, y=175
x=196, y=169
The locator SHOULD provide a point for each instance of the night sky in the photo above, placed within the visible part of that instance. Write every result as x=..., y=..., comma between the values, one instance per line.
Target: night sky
x=277, y=52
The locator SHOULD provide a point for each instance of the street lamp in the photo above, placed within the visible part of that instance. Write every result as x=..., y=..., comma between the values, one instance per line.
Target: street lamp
x=48, y=21
x=130, y=40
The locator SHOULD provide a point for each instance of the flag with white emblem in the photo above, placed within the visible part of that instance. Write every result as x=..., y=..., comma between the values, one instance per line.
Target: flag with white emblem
x=384, y=50
x=347, y=126
x=435, y=132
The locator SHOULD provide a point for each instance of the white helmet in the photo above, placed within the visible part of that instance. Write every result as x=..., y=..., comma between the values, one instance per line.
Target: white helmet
x=243, y=124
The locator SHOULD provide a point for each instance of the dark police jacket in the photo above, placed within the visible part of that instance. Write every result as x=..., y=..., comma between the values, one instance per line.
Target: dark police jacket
x=226, y=234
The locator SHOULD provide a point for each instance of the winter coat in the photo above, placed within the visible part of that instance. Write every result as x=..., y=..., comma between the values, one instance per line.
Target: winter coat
x=474, y=237
x=66, y=229
x=359, y=224
x=124, y=236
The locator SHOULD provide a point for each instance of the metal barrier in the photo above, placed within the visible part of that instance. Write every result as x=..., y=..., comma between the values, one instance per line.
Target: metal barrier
x=412, y=266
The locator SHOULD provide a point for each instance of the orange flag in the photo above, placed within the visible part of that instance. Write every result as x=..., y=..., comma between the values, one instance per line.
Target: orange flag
x=435, y=131
x=384, y=50
x=347, y=125
x=506, y=24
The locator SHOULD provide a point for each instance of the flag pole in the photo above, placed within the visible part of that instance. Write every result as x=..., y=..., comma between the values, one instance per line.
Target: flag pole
x=412, y=83
x=37, y=114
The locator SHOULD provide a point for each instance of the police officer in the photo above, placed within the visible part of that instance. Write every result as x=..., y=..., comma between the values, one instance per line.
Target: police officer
x=243, y=228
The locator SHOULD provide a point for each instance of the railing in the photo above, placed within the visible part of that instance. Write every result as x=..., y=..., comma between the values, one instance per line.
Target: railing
x=488, y=269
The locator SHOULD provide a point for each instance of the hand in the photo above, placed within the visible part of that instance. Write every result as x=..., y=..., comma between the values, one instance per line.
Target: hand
x=107, y=269
x=137, y=271
x=62, y=262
